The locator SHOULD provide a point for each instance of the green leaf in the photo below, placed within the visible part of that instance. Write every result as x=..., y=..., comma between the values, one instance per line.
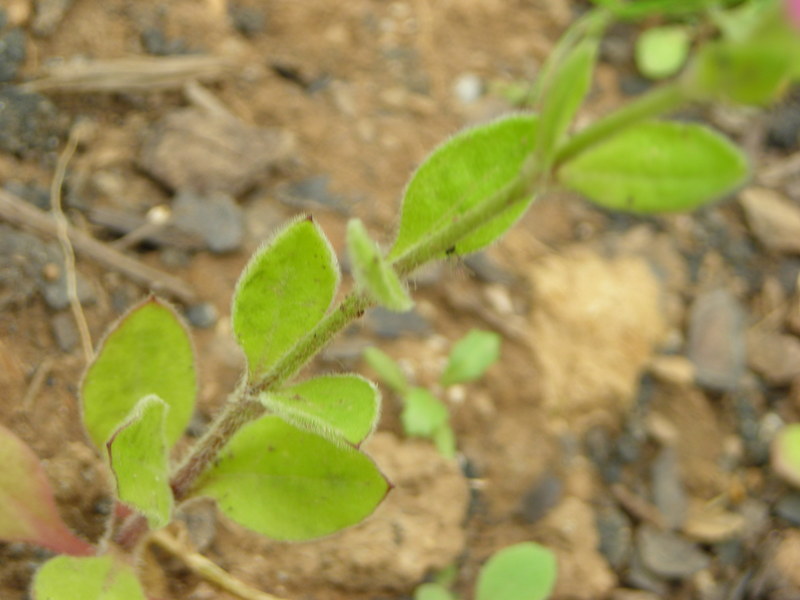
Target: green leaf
x=471, y=356
x=458, y=175
x=657, y=166
x=785, y=453
x=283, y=292
x=338, y=406
x=290, y=484
x=564, y=96
x=96, y=578
x=423, y=413
x=387, y=369
x=445, y=441
x=662, y=51
x=640, y=9
x=138, y=454
x=525, y=571
x=147, y=352
x=372, y=273
x=28, y=511
x=433, y=591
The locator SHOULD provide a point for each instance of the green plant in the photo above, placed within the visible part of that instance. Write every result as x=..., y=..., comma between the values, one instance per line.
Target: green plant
x=424, y=415
x=282, y=457
x=525, y=571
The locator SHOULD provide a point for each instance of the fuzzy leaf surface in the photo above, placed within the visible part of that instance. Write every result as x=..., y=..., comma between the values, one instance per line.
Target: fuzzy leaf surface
x=147, y=352
x=28, y=511
x=138, y=454
x=290, y=484
x=471, y=356
x=335, y=406
x=423, y=413
x=372, y=273
x=283, y=292
x=94, y=578
x=785, y=453
x=387, y=369
x=525, y=571
x=657, y=166
x=564, y=96
x=468, y=168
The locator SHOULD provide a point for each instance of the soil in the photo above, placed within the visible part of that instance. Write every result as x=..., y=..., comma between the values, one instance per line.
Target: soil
x=627, y=425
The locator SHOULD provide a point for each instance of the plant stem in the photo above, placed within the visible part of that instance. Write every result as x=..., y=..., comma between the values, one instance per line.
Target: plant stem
x=244, y=407
x=659, y=101
x=208, y=570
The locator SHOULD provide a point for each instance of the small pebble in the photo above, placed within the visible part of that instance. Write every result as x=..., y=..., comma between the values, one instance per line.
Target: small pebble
x=12, y=54
x=247, y=20
x=468, y=88
x=51, y=272
x=388, y=324
x=669, y=494
x=541, y=497
x=773, y=219
x=65, y=331
x=788, y=507
x=486, y=269
x=202, y=315
x=29, y=123
x=716, y=340
x=49, y=14
x=616, y=535
x=216, y=217
x=669, y=555
x=313, y=192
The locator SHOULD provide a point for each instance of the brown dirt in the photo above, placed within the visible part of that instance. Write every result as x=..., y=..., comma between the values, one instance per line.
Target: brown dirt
x=391, y=68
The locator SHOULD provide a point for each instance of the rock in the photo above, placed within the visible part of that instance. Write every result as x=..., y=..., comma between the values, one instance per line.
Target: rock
x=788, y=507
x=12, y=53
x=200, y=519
x=616, y=536
x=783, y=125
x=247, y=20
x=625, y=594
x=594, y=325
x=65, y=331
x=716, y=340
x=387, y=324
x=468, y=88
x=488, y=271
x=311, y=193
x=29, y=123
x=192, y=150
x=155, y=42
x=541, y=497
x=49, y=14
x=202, y=315
x=667, y=554
x=673, y=369
x=215, y=217
x=774, y=219
x=55, y=292
x=669, y=494
x=774, y=356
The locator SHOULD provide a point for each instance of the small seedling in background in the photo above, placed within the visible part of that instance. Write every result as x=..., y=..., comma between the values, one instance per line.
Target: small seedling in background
x=785, y=453
x=282, y=458
x=424, y=415
x=662, y=51
x=525, y=571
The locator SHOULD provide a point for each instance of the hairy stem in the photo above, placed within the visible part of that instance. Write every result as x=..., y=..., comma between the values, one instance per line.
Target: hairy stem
x=243, y=408
x=657, y=102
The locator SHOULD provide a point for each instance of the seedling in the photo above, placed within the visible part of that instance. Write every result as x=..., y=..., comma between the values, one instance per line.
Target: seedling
x=525, y=571
x=424, y=415
x=283, y=457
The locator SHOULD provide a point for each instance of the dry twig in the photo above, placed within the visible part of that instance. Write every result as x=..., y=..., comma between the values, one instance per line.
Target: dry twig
x=18, y=212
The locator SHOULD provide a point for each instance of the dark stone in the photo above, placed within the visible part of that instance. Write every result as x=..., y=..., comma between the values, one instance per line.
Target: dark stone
x=486, y=269
x=716, y=340
x=155, y=42
x=788, y=508
x=203, y=315
x=247, y=20
x=65, y=331
x=32, y=192
x=669, y=555
x=616, y=535
x=783, y=126
x=215, y=217
x=387, y=324
x=12, y=53
x=541, y=497
x=669, y=494
x=313, y=192
x=29, y=123
x=633, y=84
